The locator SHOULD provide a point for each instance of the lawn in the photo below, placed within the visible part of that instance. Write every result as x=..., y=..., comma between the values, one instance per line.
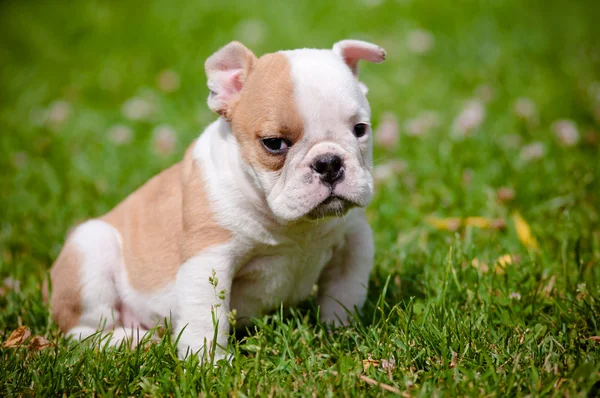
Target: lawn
x=486, y=216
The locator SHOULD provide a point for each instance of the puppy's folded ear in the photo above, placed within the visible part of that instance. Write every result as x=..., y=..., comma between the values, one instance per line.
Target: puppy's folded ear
x=227, y=70
x=352, y=51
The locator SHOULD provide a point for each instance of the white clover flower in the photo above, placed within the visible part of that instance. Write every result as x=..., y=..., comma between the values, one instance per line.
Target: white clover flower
x=533, y=151
x=168, y=81
x=566, y=132
x=420, y=41
x=164, y=139
x=120, y=134
x=387, y=133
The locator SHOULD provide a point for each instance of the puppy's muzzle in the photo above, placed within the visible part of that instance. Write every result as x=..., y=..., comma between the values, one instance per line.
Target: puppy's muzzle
x=330, y=167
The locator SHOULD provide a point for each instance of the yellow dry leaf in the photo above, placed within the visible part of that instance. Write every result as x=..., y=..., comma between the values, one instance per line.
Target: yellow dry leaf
x=447, y=224
x=524, y=232
x=502, y=262
x=17, y=337
x=480, y=265
x=479, y=222
x=38, y=343
x=367, y=363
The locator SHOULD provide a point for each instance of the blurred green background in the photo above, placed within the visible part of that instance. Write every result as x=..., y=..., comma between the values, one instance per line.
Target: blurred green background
x=482, y=109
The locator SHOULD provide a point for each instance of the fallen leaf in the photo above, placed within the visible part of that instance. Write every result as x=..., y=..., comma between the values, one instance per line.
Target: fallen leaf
x=524, y=232
x=502, y=262
x=480, y=265
x=448, y=224
x=38, y=343
x=367, y=363
x=17, y=337
x=454, y=360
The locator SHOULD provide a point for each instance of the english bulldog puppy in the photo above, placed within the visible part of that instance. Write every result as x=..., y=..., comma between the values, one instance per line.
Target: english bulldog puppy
x=266, y=203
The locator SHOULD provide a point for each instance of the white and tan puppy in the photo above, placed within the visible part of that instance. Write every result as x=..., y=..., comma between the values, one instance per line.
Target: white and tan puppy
x=265, y=204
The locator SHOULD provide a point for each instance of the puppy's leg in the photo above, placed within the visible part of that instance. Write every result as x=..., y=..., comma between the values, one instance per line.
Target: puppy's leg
x=84, y=298
x=344, y=281
x=203, y=297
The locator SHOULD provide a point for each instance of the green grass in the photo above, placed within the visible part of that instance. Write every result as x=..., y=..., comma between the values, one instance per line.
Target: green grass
x=451, y=328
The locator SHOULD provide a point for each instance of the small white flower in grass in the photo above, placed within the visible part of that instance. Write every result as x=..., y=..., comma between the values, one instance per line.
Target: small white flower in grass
x=12, y=283
x=137, y=108
x=533, y=151
x=164, y=139
x=421, y=124
x=387, y=171
x=525, y=109
x=566, y=132
x=58, y=113
x=250, y=31
x=386, y=134
x=168, y=81
x=120, y=134
x=469, y=119
x=515, y=296
x=420, y=41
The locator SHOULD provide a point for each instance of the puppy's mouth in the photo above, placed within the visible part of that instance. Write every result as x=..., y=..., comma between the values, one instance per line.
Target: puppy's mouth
x=332, y=206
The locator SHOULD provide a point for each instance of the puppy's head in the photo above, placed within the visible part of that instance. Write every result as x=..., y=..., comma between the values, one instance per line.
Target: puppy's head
x=302, y=123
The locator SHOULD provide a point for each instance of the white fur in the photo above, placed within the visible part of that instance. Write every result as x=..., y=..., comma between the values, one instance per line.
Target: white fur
x=275, y=255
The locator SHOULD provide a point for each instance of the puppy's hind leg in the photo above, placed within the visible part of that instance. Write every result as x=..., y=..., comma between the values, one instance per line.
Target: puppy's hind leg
x=85, y=298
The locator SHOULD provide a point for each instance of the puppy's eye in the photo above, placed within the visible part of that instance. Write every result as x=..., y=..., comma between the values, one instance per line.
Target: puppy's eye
x=276, y=146
x=360, y=129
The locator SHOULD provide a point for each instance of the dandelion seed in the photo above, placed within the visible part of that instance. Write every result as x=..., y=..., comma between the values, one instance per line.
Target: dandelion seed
x=532, y=152
x=386, y=134
x=470, y=118
x=164, y=139
x=138, y=109
x=420, y=41
x=168, y=81
x=514, y=296
x=566, y=132
x=120, y=134
x=251, y=31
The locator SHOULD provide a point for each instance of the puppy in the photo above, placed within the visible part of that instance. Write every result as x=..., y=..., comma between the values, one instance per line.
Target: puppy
x=266, y=203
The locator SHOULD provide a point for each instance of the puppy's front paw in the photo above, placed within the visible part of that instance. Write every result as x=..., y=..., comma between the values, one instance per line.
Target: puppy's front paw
x=335, y=316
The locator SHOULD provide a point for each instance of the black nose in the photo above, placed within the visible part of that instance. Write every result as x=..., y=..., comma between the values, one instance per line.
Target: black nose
x=329, y=166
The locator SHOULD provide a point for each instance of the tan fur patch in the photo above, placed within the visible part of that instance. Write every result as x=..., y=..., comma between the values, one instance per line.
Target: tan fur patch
x=163, y=223
x=65, y=302
x=266, y=109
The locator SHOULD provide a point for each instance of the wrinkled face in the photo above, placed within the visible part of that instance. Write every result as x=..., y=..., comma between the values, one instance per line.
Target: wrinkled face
x=302, y=123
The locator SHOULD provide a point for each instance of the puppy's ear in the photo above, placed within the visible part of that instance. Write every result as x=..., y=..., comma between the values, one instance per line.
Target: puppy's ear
x=352, y=51
x=227, y=70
